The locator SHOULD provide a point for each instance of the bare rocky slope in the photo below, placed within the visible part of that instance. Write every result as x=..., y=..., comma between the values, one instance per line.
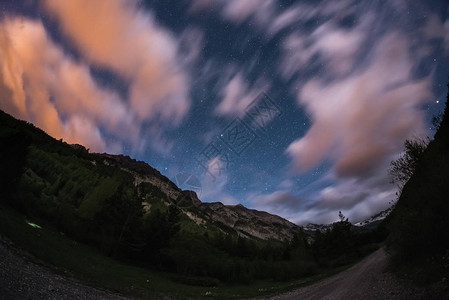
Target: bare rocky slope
x=229, y=218
x=250, y=222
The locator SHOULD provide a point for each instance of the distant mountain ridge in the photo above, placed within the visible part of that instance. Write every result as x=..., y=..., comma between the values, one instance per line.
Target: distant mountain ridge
x=231, y=218
x=375, y=219
x=245, y=222
x=367, y=224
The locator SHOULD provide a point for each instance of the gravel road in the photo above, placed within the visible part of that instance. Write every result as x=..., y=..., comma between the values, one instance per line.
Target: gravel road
x=365, y=280
x=22, y=279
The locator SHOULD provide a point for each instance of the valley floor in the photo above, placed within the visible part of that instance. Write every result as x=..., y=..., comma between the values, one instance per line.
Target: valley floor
x=21, y=278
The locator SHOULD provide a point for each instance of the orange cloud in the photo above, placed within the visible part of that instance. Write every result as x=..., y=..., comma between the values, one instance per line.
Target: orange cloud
x=117, y=36
x=43, y=84
x=55, y=92
x=11, y=74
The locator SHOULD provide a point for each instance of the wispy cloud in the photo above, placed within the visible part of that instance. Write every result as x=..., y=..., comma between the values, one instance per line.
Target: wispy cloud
x=446, y=34
x=58, y=92
x=364, y=101
x=359, y=123
x=238, y=11
x=213, y=184
x=357, y=198
x=280, y=202
x=237, y=94
x=118, y=36
x=361, y=120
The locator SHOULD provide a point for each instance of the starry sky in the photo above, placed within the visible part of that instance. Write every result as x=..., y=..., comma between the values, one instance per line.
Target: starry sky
x=292, y=107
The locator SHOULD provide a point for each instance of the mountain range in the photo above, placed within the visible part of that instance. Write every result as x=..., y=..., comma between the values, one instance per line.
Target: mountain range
x=154, y=190
x=229, y=218
x=238, y=219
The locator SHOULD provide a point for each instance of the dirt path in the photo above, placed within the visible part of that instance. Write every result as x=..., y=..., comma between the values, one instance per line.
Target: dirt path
x=365, y=280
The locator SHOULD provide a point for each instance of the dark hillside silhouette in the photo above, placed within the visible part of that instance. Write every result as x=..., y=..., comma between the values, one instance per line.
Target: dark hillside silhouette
x=419, y=224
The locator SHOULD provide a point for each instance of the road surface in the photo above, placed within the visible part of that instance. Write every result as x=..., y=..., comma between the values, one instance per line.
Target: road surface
x=365, y=280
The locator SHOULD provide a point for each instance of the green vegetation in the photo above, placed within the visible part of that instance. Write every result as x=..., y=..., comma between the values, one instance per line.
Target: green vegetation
x=74, y=259
x=93, y=224
x=339, y=245
x=404, y=167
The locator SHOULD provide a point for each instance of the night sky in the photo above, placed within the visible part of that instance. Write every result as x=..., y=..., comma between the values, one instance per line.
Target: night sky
x=292, y=107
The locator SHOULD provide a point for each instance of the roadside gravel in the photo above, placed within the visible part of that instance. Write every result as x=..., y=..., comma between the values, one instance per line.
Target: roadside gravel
x=20, y=278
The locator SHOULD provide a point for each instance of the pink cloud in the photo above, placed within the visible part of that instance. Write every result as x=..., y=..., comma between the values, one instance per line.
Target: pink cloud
x=337, y=47
x=361, y=120
x=213, y=184
x=237, y=95
x=238, y=11
x=280, y=202
x=285, y=19
x=434, y=28
x=357, y=198
x=199, y=5
x=446, y=35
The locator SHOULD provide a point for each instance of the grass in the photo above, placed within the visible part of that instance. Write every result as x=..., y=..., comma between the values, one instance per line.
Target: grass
x=86, y=264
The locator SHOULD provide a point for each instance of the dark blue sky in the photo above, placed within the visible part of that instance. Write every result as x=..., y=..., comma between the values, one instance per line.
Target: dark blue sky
x=293, y=107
